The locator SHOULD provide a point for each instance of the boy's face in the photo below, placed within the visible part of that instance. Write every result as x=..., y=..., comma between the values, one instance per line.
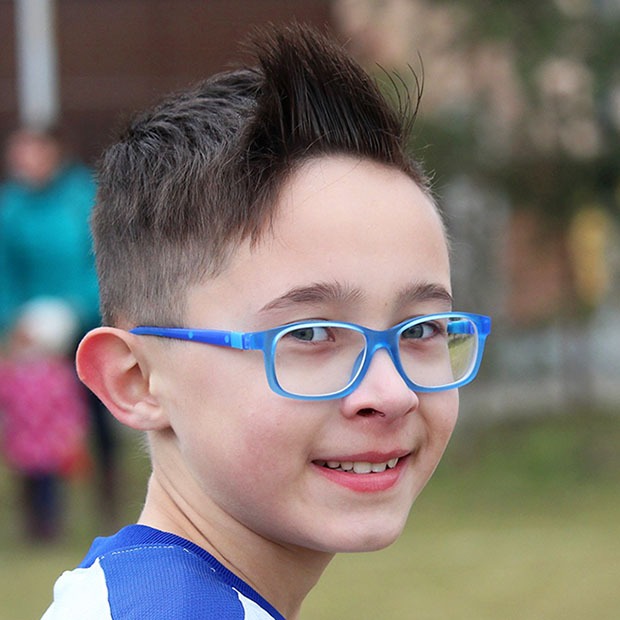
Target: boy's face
x=353, y=241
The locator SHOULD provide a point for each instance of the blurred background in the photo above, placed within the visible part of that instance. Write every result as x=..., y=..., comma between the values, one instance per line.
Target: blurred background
x=520, y=124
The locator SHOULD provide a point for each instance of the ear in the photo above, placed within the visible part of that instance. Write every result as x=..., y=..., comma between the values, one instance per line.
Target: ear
x=110, y=362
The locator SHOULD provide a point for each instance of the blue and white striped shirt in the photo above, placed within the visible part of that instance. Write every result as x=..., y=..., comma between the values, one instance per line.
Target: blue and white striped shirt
x=141, y=572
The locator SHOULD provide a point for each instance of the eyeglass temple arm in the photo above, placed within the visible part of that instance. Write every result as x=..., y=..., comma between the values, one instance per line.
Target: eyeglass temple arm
x=234, y=340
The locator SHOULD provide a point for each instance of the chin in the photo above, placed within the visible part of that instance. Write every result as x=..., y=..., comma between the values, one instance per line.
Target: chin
x=363, y=537
x=367, y=544
x=373, y=542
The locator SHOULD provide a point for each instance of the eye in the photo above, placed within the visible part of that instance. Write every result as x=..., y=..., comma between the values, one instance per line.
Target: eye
x=420, y=331
x=310, y=334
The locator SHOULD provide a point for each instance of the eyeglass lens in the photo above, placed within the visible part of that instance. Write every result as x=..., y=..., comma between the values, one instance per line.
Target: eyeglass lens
x=324, y=359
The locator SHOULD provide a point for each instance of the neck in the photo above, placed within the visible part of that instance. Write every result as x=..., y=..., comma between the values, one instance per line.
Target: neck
x=281, y=574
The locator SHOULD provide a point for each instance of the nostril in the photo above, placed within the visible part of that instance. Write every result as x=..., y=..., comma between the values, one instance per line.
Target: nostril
x=367, y=411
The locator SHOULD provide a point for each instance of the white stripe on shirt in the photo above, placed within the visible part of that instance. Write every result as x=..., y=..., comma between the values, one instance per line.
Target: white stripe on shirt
x=80, y=594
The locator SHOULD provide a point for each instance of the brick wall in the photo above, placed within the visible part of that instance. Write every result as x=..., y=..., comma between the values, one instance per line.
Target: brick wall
x=116, y=56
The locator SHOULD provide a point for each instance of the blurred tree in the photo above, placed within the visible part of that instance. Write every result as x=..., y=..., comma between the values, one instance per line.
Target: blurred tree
x=559, y=154
x=522, y=100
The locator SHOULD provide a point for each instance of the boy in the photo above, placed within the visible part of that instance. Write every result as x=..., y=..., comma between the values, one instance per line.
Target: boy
x=277, y=202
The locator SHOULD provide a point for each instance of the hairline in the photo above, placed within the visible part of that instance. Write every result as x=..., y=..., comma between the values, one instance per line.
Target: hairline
x=261, y=233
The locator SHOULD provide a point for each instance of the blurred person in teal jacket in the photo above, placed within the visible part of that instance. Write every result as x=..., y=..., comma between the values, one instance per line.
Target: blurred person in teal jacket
x=45, y=247
x=46, y=252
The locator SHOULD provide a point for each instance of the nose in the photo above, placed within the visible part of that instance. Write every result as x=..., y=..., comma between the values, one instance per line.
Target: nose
x=382, y=391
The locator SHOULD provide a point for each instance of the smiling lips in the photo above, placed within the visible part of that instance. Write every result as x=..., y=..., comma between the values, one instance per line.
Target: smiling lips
x=363, y=476
x=359, y=467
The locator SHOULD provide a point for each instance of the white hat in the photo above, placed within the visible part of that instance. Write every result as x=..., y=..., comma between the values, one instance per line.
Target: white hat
x=50, y=324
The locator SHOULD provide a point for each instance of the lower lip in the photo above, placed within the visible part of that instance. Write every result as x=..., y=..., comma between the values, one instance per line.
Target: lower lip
x=365, y=483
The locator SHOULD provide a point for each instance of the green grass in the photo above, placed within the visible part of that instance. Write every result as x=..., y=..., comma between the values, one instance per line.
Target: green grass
x=28, y=571
x=520, y=522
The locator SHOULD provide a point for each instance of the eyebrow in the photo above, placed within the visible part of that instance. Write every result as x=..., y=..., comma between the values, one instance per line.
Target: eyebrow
x=317, y=293
x=335, y=292
x=424, y=291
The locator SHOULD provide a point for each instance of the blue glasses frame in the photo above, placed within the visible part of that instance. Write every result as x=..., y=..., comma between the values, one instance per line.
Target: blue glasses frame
x=267, y=340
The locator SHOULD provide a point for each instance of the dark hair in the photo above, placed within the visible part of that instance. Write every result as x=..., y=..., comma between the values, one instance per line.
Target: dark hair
x=199, y=173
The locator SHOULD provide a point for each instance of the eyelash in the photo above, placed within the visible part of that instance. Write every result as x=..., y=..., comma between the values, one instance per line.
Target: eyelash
x=325, y=329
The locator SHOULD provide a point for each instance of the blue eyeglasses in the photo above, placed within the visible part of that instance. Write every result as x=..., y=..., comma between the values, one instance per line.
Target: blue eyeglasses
x=323, y=360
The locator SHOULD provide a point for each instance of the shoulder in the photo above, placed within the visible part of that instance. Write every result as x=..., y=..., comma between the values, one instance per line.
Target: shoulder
x=75, y=171
x=157, y=576
x=77, y=178
x=81, y=593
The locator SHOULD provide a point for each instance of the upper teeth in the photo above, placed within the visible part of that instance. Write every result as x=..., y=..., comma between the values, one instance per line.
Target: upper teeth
x=360, y=467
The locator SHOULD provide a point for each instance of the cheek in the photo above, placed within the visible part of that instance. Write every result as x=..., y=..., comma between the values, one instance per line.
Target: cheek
x=440, y=412
x=274, y=436
x=254, y=465
x=214, y=384
x=227, y=418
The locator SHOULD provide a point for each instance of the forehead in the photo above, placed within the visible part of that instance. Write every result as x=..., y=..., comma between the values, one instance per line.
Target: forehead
x=349, y=195
x=342, y=224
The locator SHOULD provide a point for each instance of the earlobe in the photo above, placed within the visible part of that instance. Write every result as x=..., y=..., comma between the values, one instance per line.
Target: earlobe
x=109, y=363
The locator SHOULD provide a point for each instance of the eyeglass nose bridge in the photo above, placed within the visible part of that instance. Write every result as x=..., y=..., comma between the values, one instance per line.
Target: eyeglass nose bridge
x=375, y=341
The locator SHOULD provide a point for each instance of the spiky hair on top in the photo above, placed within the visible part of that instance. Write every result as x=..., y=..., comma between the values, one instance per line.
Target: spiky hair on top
x=315, y=99
x=197, y=174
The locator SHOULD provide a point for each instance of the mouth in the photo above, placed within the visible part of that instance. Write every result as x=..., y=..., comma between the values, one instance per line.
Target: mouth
x=368, y=473
x=359, y=467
